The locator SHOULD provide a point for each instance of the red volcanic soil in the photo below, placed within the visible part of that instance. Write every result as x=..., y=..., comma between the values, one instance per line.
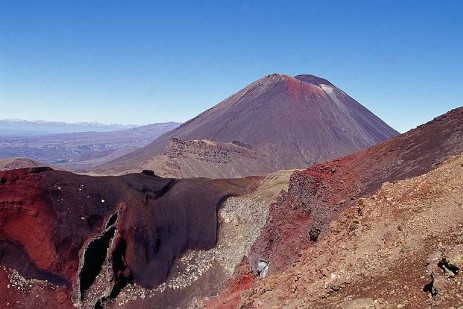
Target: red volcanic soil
x=297, y=88
x=316, y=195
x=61, y=228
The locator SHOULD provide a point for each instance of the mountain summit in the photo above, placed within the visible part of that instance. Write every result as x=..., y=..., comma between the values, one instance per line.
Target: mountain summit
x=296, y=120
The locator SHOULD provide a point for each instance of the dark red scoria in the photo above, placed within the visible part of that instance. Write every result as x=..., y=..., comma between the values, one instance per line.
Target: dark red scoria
x=61, y=227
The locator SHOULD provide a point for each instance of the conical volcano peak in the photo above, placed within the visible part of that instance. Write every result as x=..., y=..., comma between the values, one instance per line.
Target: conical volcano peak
x=273, y=78
x=276, y=76
x=312, y=79
x=267, y=82
x=295, y=121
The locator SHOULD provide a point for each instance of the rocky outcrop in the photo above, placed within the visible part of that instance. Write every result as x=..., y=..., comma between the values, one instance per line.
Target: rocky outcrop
x=203, y=158
x=202, y=150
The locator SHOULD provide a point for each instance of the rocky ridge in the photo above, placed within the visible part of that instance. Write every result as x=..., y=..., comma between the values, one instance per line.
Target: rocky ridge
x=318, y=194
x=203, y=158
x=401, y=247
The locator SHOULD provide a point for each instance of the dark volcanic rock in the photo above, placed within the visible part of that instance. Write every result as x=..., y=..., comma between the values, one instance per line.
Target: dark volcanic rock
x=203, y=158
x=314, y=80
x=297, y=121
x=62, y=227
x=176, y=216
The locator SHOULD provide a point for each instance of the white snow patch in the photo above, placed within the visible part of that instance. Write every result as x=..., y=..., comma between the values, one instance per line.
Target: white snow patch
x=328, y=89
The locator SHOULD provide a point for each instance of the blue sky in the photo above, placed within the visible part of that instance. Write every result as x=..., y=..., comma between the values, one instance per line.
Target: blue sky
x=142, y=62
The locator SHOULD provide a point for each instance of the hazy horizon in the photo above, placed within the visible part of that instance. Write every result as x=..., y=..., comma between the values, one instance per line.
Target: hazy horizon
x=147, y=62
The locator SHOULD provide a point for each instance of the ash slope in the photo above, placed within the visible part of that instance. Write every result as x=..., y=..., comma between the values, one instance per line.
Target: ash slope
x=317, y=195
x=297, y=120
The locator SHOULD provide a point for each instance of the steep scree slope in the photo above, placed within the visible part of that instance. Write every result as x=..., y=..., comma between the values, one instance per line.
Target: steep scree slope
x=401, y=247
x=316, y=195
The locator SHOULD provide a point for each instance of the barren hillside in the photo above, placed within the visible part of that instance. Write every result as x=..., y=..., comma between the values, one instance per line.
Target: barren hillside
x=296, y=121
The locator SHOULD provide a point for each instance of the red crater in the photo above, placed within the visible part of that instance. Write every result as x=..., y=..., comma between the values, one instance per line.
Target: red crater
x=300, y=89
x=61, y=228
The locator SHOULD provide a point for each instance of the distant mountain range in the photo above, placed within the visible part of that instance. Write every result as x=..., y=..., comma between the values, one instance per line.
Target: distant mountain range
x=81, y=150
x=39, y=127
x=290, y=122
